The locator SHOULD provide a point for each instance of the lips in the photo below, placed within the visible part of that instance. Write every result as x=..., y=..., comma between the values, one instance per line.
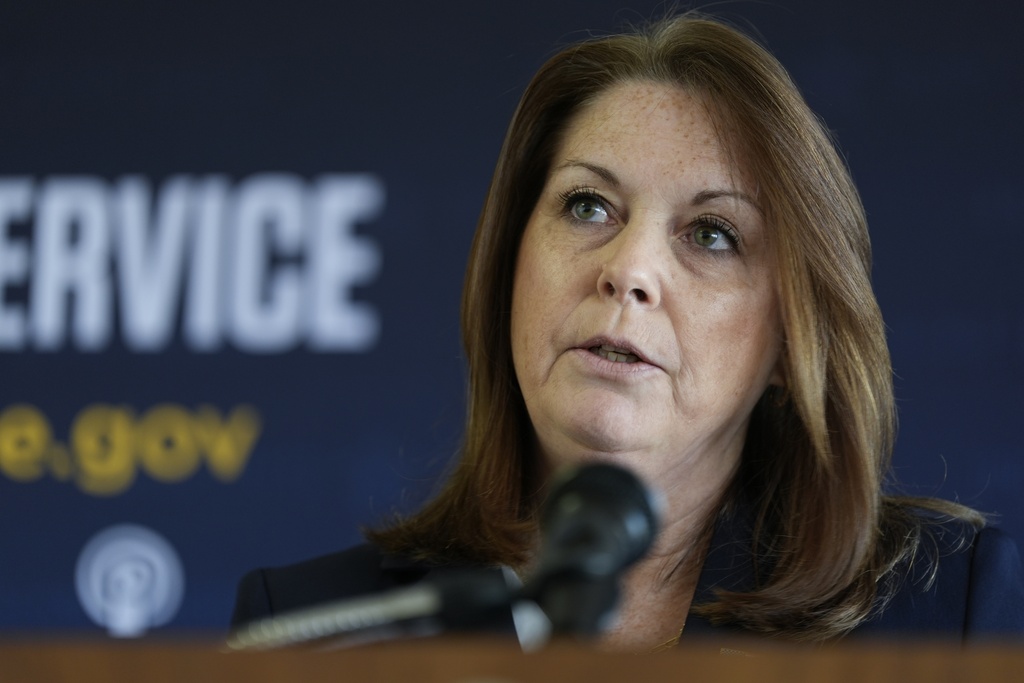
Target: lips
x=614, y=350
x=615, y=354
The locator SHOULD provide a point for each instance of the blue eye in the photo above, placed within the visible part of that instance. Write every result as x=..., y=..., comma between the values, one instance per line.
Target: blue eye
x=711, y=238
x=588, y=210
x=713, y=234
x=584, y=205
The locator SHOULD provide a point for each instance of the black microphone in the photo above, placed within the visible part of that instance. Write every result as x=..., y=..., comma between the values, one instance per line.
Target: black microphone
x=598, y=520
x=449, y=600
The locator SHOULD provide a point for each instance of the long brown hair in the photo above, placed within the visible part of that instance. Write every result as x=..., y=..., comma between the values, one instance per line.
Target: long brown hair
x=816, y=452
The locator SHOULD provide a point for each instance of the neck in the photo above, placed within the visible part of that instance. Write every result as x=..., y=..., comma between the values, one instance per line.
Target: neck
x=657, y=592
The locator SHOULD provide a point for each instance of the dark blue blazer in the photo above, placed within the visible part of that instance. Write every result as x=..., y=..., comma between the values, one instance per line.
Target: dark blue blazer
x=977, y=593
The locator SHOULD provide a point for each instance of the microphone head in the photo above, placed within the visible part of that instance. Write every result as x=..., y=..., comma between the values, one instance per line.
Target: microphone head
x=598, y=519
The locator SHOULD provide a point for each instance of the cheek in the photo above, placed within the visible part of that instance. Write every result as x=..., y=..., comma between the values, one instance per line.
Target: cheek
x=542, y=302
x=757, y=332
x=740, y=337
x=527, y=301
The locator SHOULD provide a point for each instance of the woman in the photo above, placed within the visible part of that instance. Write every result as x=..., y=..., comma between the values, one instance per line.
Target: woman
x=671, y=272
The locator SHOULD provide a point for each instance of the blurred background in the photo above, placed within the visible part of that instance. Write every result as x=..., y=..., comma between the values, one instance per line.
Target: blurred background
x=233, y=235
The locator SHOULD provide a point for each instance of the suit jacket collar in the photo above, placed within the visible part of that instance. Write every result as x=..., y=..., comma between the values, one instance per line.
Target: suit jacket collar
x=728, y=566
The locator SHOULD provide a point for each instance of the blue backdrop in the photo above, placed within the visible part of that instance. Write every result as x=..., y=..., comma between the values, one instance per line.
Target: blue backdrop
x=232, y=240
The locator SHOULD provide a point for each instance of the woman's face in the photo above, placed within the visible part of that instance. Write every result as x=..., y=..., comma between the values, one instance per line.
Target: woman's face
x=644, y=316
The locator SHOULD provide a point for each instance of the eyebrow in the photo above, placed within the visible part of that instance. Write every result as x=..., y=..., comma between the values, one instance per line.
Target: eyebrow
x=702, y=197
x=706, y=196
x=599, y=171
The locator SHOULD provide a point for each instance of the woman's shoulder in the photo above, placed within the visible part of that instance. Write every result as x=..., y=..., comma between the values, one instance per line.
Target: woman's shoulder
x=359, y=570
x=964, y=580
x=996, y=594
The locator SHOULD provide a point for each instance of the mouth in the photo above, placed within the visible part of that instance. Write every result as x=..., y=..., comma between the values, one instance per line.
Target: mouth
x=614, y=353
x=614, y=350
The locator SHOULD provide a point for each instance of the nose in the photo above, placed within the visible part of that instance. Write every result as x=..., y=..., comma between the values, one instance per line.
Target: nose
x=629, y=273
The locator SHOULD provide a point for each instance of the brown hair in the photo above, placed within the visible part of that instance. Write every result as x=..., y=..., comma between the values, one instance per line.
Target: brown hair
x=816, y=453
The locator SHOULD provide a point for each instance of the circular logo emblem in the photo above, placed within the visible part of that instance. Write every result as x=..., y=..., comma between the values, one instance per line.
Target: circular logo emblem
x=129, y=579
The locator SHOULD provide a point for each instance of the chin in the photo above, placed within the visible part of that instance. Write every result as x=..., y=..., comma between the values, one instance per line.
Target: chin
x=609, y=434
x=580, y=427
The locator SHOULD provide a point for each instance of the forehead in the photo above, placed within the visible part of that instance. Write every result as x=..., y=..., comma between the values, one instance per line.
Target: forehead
x=640, y=106
x=661, y=128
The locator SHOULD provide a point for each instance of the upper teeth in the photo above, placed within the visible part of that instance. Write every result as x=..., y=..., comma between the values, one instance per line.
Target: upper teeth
x=615, y=355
